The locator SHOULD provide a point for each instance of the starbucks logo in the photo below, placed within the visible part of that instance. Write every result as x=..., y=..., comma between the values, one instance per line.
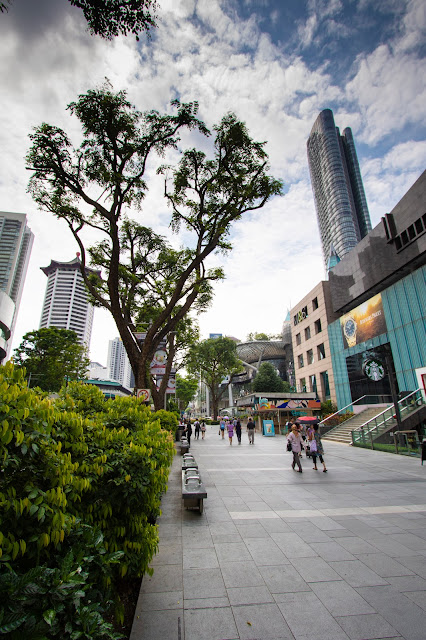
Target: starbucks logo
x=373, y=369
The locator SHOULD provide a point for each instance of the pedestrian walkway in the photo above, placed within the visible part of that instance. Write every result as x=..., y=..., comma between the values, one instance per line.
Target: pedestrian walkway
x=283, y=555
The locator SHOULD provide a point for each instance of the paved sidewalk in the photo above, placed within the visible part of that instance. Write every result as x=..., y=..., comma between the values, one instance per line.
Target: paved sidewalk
x=283, y=555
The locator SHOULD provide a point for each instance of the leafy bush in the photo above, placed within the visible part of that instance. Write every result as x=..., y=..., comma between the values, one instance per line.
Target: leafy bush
x=169, y=420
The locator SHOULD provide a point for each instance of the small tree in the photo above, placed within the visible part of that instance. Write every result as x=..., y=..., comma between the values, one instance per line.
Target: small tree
x=267, y=379
x=215, y=359
x=186, y=388
x=51, y=357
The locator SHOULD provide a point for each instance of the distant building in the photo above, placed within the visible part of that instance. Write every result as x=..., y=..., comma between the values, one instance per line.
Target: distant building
x=66, y=303
x=118, y=365
x=340, y=201
x=97, y=371
x=16, y=241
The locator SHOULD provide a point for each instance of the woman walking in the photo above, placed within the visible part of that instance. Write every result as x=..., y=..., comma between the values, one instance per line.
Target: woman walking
x=317, y=449
x=238, y=431
x=296, y=445
x=203, y=429
x=230, y=431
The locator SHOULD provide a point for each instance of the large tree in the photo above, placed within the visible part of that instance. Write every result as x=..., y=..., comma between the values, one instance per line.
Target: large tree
x=51, y=357
x=109, y=18
x=215, y=360
x=145, y=280
x=267, y=379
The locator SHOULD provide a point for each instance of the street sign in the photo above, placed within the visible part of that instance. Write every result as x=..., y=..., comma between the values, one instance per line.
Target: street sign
x=143, y=394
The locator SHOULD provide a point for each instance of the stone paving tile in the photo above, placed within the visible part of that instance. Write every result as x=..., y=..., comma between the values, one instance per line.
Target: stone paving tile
x=357, y=574
x=241, y=574
x=232, y=552
x=418, y=597
x=249, y=595
x=407, y=583
x=206, y=603
x=162, y=601
x=202, y=583
x=292, y=546
x=367, y=627
x=209, y=624
x=400, y=612
x=283, y=579
x=356, y=545
x=265, y=552
x=158, y=625
x=200, y=559
x=331, y=551
x=315, y=569
x=165, y=578
x=340, y=599
x=263, y=621
x=252, y=531
x=383, y=565
x=308, y=619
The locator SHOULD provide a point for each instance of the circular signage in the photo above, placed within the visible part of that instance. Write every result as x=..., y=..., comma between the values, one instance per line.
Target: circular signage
x=373, y=369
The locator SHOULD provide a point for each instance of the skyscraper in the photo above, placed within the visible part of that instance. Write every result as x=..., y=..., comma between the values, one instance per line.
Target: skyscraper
x=66, y=303
x=118, y=364
x=16, y=241
x=340, y=202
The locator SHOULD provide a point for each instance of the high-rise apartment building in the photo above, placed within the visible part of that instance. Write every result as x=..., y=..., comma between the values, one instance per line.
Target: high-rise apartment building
x=118, y=365
x=66, y=303
x=340, y=201
x=16, y=241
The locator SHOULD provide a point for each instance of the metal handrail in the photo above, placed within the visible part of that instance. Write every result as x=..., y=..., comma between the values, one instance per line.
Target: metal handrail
x=361, y=428
x=342, y=409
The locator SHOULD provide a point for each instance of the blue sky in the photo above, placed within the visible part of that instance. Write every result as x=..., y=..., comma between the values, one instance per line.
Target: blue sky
x=276, y=65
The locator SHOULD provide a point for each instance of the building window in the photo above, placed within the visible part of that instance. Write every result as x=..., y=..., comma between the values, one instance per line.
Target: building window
x=300, y=360
x=321, y=351
x=325, y=384
x=315, y=303
x=310, y=356
x=313, y=383
x=298, y=339
x=318, y=328
x=307, y=333
x=303, y=384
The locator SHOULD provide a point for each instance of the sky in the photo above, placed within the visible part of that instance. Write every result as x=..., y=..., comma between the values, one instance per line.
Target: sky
x=274, y=63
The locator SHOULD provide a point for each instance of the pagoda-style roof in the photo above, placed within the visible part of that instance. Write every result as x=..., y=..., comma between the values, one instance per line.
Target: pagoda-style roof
x=72, y=265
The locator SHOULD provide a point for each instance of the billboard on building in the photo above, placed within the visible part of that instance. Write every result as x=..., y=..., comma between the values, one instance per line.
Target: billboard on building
x=364, y=322
x=215, y=335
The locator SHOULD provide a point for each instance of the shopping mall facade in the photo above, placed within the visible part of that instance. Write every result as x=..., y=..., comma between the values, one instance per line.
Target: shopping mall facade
x=372, y=316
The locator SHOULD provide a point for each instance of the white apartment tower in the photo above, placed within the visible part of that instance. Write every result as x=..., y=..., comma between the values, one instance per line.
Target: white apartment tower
x=16, y=241
x=118, y=364
x=66, y=303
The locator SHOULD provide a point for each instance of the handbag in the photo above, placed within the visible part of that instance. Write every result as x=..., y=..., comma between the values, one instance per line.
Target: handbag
x=289, y=447
x=313, y=446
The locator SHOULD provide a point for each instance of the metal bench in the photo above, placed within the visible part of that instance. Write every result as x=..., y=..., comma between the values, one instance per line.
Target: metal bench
x=184, y=446
x=193, y=490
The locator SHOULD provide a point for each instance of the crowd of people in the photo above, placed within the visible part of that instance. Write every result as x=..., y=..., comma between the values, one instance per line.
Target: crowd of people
x=299, y=438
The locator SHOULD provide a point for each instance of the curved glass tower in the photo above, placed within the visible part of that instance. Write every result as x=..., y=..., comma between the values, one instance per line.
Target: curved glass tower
x=340, y=202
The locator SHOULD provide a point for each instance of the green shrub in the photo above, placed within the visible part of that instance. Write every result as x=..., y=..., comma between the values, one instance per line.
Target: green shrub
x=168, y=419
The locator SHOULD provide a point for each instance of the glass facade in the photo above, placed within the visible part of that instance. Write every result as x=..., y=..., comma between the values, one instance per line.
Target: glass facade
x=340, y=202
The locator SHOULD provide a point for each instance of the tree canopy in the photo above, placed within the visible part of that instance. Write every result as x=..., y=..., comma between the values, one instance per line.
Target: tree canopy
x=51, y=357
x=110, y=18
x=144, y=279
x=267, y=379
x=215, y=360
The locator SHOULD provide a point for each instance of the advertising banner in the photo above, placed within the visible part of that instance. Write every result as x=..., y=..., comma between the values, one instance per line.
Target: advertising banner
x=364, y=322
x=158, y=364
x=268, y=428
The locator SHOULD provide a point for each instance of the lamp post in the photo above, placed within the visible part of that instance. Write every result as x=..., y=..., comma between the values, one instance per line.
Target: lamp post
x=392, y=381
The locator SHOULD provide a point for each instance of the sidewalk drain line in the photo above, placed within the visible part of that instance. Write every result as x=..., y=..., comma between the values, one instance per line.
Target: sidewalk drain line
x=179, y=629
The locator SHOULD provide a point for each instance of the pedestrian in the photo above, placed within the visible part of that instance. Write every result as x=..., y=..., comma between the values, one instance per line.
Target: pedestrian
x=250, y=430
x=222, y=428
x=317, y=449
x=230, y=431
x=238, y=431
x=188, y=432
x=197, y=430
x=203, y=429
x=296, y=446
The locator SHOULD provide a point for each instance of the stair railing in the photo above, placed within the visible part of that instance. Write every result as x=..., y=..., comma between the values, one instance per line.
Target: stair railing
x=387, y=419
x=342, y=409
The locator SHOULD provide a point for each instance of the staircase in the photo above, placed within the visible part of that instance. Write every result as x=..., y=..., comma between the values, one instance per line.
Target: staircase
x=343, y=432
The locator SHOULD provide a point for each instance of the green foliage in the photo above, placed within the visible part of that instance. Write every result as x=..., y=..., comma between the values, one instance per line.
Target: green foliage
x=168, y=420
x=186, y=388
x=328, y=407
x=337, y=419
x=267, y=379
x=62, y=599
x=101, y=466
x=263, y=336
x=214, y=359
x=51, y=356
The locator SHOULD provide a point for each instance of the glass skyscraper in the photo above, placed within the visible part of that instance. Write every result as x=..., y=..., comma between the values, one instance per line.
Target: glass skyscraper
x=340, y=202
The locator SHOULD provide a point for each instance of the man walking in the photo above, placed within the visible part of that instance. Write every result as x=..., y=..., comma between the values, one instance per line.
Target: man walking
x=250, y=430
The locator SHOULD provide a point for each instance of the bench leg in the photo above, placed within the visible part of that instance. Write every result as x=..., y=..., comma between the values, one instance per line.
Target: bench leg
x=201, y=505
